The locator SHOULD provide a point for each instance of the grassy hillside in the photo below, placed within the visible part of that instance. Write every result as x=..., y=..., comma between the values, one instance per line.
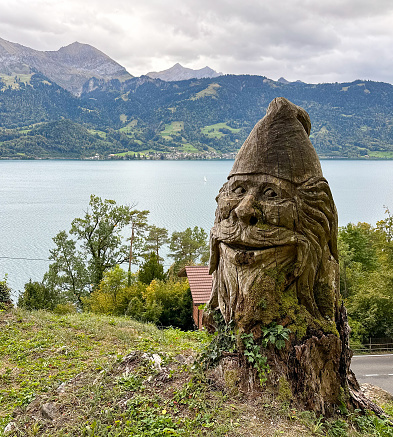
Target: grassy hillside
x=90, y=375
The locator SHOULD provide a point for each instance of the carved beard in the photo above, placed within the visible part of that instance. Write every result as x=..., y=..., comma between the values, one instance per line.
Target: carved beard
x=245, y=281
x=252, y=266
x=250, y=279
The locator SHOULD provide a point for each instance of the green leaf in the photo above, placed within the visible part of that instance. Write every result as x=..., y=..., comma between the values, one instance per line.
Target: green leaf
x=280, y=344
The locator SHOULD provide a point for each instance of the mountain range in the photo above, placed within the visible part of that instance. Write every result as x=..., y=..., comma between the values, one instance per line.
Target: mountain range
x=71, y=66
x=77, y=102
x=178, y=72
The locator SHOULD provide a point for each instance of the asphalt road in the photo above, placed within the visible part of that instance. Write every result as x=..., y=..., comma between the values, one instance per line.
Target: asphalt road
x=374, y=369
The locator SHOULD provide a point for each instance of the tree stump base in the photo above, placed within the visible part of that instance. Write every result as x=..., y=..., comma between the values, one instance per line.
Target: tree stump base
x=312, y=374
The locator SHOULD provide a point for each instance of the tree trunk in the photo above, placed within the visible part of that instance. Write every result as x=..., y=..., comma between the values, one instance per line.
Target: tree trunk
x=312, y=374
x=130, y=256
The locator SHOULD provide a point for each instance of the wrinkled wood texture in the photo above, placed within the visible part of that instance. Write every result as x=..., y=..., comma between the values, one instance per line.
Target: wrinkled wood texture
x=274, y=259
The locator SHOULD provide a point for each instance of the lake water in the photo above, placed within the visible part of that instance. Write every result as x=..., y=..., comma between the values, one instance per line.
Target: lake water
x=40, y=198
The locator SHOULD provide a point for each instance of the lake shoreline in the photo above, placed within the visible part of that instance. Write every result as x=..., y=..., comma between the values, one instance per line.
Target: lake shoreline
x=325, y=158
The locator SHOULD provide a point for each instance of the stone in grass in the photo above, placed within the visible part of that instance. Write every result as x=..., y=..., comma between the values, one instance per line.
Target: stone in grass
x=182, y=359
x=49, y=411
x=61, y=388
x=10, y=428
x=154, y=359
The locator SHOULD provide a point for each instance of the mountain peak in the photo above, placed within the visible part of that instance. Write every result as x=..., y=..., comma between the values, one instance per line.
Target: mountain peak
x=178, y=72
x=283, y=80
x=70, y=66
x=77, y=47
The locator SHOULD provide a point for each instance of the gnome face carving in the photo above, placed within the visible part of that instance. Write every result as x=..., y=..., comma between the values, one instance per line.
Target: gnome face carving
x=258, y=199
x=274, y=237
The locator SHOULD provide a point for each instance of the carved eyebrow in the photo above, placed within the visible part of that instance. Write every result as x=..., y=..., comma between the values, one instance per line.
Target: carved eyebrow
x=236, y=184
x=239, y=189
x=270, y=192
x=271, y=186
x=280, y=192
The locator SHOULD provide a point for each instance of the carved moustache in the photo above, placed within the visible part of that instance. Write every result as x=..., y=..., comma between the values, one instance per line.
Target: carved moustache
x=245, y=239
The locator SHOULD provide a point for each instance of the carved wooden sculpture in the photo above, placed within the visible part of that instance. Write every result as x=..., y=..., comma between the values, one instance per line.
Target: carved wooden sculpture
x=274, y=259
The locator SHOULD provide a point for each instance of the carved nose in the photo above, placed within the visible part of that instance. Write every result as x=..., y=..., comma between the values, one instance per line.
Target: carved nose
x=246, y=212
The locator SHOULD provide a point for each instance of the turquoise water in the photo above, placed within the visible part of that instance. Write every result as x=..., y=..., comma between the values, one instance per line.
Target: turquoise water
x=39, y=198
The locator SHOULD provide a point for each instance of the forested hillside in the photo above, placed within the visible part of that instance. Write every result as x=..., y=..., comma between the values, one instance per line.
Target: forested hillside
x=198, y=115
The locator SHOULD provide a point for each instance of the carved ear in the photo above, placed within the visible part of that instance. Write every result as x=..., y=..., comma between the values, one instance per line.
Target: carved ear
x=214, y=253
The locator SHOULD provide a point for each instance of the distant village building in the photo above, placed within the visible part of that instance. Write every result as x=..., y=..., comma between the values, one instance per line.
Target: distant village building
x=200, y=285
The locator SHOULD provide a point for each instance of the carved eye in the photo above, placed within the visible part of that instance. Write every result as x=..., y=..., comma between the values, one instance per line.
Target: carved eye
x=269, y=192
x=239, y=190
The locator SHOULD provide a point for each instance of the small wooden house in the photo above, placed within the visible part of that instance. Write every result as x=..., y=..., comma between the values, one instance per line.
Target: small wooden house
x=201, y=286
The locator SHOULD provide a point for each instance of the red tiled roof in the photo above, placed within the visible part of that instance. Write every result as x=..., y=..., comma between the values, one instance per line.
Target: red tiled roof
x=200, y=283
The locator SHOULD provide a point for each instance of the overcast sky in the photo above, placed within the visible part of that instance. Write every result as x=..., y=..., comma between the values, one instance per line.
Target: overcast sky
x=310, y=40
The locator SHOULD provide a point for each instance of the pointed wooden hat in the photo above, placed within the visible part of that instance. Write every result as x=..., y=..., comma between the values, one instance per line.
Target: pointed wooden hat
x=279, y=145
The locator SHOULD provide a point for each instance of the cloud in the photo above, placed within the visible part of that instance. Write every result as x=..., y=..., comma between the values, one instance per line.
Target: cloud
x=327, y=40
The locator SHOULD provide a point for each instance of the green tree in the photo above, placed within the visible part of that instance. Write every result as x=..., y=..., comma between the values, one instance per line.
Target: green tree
x=113, y=282
x=156, y=238
x=186, y=320
x=68, y=275
x=143, y=311
x=345, y=257
x=384, y=231
x=189, y=247
x=366, y=277
x=36, y=296
x=112, y=295
x=100, y=234
x=371, y=305
x=174, y=299
x=5, y=295
x=138, y=226
x=98, y=245
x=151, y=269
x=360, y=240
x=386, y=226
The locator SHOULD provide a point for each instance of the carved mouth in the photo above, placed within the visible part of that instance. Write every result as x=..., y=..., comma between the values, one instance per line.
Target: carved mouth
x=247, y=255
x=245, y=248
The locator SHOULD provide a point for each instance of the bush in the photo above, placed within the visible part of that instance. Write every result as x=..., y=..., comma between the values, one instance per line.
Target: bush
x=113, y=294
x=65, y=308
x=151, y=269
x=175, y=299
x=144, y=311
x=5, y=295
x=37, y=296
x=164, y=303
